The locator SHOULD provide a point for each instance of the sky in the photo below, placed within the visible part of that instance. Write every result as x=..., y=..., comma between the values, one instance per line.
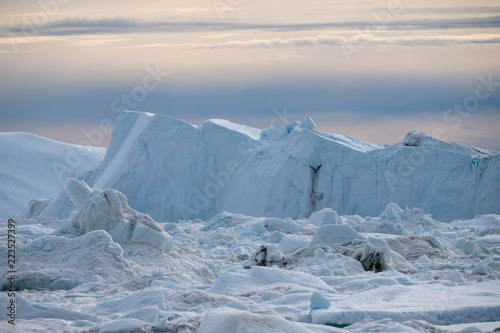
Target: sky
x=368, y=69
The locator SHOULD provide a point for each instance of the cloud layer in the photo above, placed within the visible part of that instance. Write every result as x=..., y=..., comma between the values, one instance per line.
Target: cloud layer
x=85, y=26
x=359, y=40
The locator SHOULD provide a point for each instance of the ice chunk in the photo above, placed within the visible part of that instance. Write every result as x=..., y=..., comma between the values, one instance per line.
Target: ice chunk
x=225, y=220
x=147, y=297
x=147, y=314
x=63, y=284
x=456, y=277
x=32, y=281
x=235, y=305
x=259, y=230
x=308, y=123
x=417, y=230
x=436, y=243
x=318, y=301
x=335, y=235
x=324, y=216
x=269, y=296
x=244, y=321
x=319, y=253
x=31, y=310
x=392, y=212
x=292, y=243
x=256, y=277
x=467, y=247
x=108, y=210
x=86, y=287
x=374, y=259
x=78, y=192
x=273, y=224
x=122, y=325
x=436, y=303
x=275, y=237
x=480, y=270
x=158, y=238
x=267, y=255
x=488, y=221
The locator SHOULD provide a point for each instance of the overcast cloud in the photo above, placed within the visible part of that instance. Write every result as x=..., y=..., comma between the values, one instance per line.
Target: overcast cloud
x=355, y=67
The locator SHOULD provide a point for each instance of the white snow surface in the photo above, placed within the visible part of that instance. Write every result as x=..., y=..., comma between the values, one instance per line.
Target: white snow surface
x=172, y=170
x=32, y=167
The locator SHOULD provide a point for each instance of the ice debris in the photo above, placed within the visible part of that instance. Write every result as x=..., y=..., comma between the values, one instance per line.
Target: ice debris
x=335, y=235
x=108, y=210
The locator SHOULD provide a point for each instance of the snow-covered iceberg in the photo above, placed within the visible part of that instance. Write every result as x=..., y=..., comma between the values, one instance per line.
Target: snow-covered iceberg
x=32, y=167
x=172, y=170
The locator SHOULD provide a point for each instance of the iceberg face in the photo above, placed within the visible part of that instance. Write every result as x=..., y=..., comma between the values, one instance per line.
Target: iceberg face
x=172, y=170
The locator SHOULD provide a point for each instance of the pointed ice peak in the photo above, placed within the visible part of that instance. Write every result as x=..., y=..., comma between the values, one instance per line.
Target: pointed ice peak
x=78, y=192
x=308, y=123
x=318, y=301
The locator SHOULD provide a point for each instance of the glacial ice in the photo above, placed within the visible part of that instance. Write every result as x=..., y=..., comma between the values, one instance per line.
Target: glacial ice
x=108, y=210
x=282, y=230
x=222, y=167
x=35, y=168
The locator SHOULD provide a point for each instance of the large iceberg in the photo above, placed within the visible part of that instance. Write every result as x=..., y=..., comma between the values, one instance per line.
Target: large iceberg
x=173, y=170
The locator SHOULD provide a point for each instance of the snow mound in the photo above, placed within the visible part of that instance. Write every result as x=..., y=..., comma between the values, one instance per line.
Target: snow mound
x=48, y=259
x=335, y=236
x=287, y=171
x=145, y=298
x=324, y=216
x=257, y=277
x=108, y=210
x=444, y=305
x=36, y=168
x=121, y=326
x=241, y=321
x=30, y=310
